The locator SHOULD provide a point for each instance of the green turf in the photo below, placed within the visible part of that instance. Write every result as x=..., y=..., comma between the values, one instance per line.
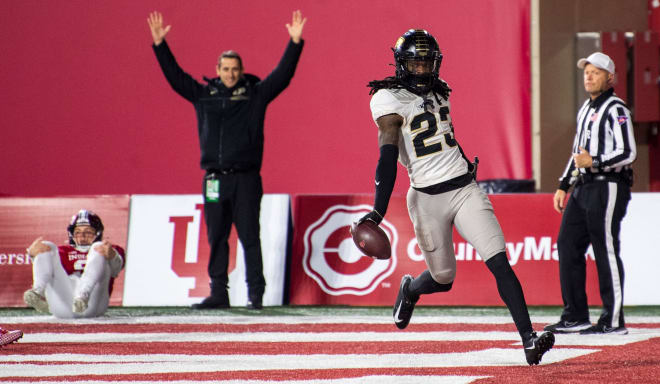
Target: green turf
x=334, y=311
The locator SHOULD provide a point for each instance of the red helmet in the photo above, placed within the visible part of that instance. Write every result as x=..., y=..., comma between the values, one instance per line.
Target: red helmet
x=85, y=217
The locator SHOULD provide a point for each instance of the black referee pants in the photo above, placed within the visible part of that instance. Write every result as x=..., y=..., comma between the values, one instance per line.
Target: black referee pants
x=239, y=203
x=593, y=216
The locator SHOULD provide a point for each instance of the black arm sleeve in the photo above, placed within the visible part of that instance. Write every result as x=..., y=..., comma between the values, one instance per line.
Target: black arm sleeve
x=385, y=176
x=180, y=81
x=281, y=76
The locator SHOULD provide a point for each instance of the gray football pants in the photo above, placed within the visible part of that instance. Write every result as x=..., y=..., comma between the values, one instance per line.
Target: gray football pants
x=433, y=216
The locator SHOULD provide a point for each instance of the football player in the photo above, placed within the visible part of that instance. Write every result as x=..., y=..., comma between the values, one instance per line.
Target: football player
x=412, y=112
x=74, y=280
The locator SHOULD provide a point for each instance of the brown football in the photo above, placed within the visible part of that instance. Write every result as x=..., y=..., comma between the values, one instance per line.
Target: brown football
x=371, y=240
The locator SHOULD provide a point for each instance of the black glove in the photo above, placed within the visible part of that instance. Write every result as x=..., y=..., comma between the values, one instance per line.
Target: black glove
x=373, y=216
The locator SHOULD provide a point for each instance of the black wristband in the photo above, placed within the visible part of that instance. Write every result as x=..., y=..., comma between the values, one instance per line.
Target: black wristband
x=385, y=176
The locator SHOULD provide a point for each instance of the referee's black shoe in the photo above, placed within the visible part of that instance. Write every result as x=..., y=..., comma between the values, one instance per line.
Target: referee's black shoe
x=405, y=303
x=536, y=346
x=565, y=326
x=255, y=302
x=600, y=329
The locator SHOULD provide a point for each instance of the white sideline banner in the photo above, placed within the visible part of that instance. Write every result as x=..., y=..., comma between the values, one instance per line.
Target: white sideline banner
x=169, y=252
x=640, y=250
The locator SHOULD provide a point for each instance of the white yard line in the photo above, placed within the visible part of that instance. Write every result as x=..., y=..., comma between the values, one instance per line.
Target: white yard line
x=127, y=364
x=370, y=379
x=635, y=335
x=233, y=319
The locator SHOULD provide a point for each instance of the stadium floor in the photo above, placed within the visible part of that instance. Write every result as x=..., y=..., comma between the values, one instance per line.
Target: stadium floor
x=329, y=345
x=534, y=311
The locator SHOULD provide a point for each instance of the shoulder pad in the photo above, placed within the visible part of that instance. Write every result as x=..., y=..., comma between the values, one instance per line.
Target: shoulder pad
x=389, y=101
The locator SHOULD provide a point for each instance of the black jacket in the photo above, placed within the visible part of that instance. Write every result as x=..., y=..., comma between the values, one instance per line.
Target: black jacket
x=230, y=121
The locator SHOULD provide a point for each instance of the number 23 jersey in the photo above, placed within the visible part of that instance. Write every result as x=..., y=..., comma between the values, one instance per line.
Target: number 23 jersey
x=427, y=147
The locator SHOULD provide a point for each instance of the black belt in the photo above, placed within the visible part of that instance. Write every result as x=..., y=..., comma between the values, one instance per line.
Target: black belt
x=226, y=171
x=591, y=177
x=449, y=185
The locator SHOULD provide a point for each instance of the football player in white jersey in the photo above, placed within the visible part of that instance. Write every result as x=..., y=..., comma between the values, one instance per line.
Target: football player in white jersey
x=75, y=280
x=412, y=111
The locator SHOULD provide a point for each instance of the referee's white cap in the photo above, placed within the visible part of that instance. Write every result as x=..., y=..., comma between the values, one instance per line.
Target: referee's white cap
x=599, y=60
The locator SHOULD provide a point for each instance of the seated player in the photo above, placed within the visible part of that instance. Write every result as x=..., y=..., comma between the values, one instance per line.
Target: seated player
x=8, y=337
x=74, y=280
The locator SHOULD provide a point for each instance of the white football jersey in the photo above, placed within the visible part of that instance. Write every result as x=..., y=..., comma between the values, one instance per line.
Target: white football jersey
x=427, y=147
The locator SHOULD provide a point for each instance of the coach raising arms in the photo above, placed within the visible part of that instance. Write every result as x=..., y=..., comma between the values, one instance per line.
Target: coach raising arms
x=230, y=122
x=603, y=149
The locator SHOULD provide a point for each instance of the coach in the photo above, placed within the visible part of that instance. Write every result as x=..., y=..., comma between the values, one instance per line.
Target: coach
x=230, y=121
x=600, y=168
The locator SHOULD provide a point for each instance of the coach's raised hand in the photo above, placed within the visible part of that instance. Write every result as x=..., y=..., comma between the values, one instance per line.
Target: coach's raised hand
x=155, y=21
x=296, y=27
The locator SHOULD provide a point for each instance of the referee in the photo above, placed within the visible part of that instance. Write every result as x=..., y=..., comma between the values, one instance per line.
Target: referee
x=603, y=150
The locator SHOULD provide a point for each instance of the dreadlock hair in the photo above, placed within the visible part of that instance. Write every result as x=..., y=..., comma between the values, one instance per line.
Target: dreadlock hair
x=391, y=82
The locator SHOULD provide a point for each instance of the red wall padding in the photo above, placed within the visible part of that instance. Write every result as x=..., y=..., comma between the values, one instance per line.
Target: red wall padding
x=86, y=110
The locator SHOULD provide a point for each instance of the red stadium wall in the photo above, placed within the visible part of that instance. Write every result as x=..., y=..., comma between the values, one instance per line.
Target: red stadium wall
x=86, y=110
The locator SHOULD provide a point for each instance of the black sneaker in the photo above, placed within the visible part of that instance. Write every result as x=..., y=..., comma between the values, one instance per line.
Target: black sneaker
x=404, y=305
x=536, y=346
x=600, y=329
x=212, y=302
x=564, y=326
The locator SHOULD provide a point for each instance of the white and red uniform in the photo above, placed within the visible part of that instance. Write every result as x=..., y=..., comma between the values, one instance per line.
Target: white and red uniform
x=65, y=272
x=74, y=261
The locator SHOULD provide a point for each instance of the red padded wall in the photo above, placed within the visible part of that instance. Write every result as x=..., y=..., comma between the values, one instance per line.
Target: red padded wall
x=86, y=110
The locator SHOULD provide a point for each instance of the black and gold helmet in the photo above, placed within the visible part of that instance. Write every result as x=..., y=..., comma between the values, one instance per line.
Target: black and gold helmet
x=417, y=59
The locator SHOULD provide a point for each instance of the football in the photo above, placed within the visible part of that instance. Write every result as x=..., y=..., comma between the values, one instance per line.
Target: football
x=371, y=240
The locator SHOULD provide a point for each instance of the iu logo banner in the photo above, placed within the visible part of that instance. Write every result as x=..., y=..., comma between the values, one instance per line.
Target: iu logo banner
x=167, y=235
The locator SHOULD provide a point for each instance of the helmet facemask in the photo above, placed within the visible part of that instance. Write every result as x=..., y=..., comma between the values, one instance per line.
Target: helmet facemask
x=86, y=232
x=420, y=74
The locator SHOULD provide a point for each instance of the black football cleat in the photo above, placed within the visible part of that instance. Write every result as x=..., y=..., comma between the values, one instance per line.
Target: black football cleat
x=404, y=305
x=536, y=346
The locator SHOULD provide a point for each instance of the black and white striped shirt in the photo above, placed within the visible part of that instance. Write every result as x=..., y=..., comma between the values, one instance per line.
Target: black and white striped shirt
x=605, y=130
